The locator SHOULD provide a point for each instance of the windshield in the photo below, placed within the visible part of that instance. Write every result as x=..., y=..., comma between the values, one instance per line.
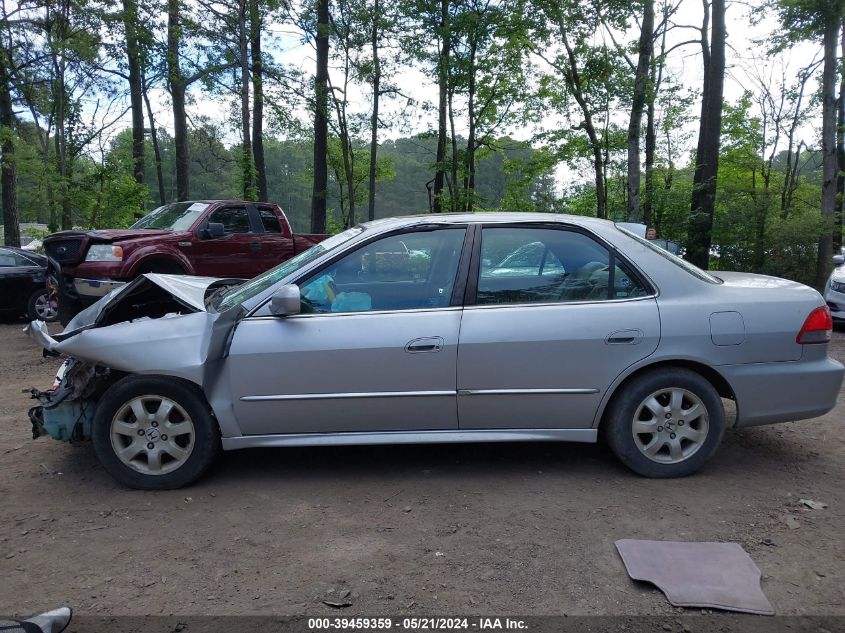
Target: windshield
x=179, y=216
x=253, y=287
x=693, y=270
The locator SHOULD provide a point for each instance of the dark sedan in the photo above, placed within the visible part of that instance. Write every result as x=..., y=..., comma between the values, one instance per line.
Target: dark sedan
x=23, y=285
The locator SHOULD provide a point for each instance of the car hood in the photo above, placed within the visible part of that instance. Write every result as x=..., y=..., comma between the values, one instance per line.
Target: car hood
x=154, y=323
x=110, y=235
x=838, y=274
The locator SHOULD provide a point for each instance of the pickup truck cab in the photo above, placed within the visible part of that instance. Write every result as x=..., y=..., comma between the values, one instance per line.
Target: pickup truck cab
x=214, y=238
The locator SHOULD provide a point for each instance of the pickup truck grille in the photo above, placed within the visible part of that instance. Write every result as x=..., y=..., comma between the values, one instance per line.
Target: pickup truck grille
x=64, y=251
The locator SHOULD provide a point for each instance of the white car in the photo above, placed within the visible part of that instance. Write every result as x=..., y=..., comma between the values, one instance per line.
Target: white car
x=834, y=290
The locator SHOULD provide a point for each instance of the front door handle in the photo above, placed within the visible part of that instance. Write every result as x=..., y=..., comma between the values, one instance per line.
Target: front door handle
x=255, y=246
x=425, y=344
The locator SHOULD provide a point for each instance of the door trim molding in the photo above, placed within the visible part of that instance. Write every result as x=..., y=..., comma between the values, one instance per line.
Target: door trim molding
x=522, y=392
x=342, y=396
x=411, y=437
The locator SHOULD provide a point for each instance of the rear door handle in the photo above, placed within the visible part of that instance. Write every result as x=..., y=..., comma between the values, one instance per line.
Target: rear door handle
x=624, y=337
x=424, y=344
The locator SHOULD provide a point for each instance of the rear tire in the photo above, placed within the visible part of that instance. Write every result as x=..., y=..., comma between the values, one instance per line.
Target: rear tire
x=665, y=423
x=155, y=432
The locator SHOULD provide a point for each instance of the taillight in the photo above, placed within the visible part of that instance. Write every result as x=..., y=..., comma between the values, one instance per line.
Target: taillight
x=817, y=327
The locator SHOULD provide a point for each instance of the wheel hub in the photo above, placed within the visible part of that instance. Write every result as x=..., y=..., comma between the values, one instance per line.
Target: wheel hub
x=670, y=425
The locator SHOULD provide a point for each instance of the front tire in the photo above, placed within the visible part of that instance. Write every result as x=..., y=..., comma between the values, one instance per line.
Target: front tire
x=665, y=423
x=155, y=432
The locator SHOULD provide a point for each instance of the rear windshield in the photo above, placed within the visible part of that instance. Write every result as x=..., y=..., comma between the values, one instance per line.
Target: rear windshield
x=693, y=270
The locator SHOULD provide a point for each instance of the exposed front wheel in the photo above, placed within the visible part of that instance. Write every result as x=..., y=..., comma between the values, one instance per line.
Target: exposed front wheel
x=155, y=433
x=665, y=423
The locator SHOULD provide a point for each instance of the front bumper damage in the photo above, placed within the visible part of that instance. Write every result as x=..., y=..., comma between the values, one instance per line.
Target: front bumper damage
x=156, y=324
x=66, y=410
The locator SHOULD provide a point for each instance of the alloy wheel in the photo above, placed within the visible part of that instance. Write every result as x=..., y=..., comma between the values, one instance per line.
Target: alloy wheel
x=670, y=425
x=152, y=435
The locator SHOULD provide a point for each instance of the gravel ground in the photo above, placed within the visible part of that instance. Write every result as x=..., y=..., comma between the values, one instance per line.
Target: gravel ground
x=522, y=528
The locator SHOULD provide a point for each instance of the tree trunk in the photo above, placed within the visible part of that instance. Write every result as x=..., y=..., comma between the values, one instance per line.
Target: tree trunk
x=641, y=81
x=829, y=166
x=374, y=39
x=8, y=169
x=248, y=174
x=136, y=101
x=469, y=164
x=156, y=149
x=256, y=24
x=707, y=154
x=453, y=164
x=650, y=151
x=573, y=82
x=840, y=153
x=178, y=86
x=318, y=197
x=443, y=85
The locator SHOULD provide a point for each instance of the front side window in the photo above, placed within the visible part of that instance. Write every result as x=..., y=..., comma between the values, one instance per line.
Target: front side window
x=543, y=265
x=233, y=219
x=399, y=272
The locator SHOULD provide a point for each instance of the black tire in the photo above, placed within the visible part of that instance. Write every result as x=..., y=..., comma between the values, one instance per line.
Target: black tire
x=619, y=420
x=206, y=440
x=31, y=309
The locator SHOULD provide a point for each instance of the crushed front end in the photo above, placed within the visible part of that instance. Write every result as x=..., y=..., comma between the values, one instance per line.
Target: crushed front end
x=66, y=410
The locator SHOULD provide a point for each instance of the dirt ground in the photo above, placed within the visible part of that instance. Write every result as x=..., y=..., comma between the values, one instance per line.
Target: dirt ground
x=520, y=528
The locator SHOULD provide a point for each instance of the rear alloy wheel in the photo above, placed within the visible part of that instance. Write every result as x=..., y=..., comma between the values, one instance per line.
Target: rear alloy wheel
x=39, y=307
x=665, y=423
x=153, y=432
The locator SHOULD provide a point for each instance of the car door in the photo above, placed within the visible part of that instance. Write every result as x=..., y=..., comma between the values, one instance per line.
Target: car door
x=17, y=275
x=375, y=348
x=545, y=336
x=237, y=253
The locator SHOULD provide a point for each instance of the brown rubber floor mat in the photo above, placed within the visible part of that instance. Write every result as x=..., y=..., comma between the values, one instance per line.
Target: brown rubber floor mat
x=708, y=575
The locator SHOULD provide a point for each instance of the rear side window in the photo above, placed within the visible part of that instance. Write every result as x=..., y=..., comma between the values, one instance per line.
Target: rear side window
x=269, y=220
x=543, y=265
x=233, y=219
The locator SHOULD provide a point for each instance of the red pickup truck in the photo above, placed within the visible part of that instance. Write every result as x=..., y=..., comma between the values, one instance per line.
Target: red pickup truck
x=214, y=238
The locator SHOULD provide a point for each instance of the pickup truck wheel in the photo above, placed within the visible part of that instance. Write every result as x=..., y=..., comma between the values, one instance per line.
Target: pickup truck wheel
x=165, y=268
x=665, y=423
x=39, y=306
x=155, y=433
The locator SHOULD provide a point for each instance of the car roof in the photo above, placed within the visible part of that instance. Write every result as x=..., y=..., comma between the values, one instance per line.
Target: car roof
x=487, y=218
x=21, y=251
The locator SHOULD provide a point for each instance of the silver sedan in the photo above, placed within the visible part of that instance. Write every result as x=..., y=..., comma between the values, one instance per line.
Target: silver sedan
x=455, y=328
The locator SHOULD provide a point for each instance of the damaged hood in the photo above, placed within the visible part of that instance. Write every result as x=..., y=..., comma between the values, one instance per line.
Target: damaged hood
x=188, y=291
x=154, y=323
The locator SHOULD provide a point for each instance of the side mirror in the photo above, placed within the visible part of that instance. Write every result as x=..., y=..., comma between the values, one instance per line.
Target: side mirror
x=286, y=301
x=214, y=229
x=838, y=260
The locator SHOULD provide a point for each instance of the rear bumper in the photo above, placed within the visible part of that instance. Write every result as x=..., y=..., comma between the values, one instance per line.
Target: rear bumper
x=767, y=393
